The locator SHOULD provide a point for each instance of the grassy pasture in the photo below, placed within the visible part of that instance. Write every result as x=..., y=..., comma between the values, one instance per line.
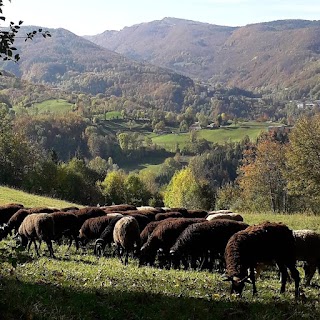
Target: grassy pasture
x=77, y=285
x=9, y=195
x=224, y=134
x=52, y=106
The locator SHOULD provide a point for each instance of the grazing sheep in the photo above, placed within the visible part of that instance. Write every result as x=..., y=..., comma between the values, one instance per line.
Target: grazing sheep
x=65, y=224
x=146, y=232
x=149, y=214
x=66, y=209
x=120, y=207
x=92, y=228
x=88, y=212
x=183, y=211
x=17, y=218
x=163, y=237
x=8, y=210
x=166, y=215
x=37, y=226
x=264, y=242
x=219, y=211
x=200, y=238
x=148, y=208
x=106, y=237
x=126, y=235
x=308, y=250
x=227, y=216
x=196, y=214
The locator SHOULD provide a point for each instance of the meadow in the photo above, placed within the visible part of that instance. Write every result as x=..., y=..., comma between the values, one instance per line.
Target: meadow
x=78, y=285
x=220, y=135
x=51, y=106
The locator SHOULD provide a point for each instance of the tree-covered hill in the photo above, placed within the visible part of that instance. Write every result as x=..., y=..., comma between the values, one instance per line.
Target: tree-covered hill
x=278, y=55
x=74, y=64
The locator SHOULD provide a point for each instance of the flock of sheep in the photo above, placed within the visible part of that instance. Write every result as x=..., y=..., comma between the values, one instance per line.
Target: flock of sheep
x=171, y=237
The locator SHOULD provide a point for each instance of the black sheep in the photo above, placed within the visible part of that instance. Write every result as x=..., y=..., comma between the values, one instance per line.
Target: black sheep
x=200, y=238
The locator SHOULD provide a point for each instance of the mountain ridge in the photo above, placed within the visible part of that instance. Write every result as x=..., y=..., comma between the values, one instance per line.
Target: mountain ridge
x=267, y=55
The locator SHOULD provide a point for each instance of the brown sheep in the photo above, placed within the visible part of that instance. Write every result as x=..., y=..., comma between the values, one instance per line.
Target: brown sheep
x=37, y=226
x=88, y=212
x=92, y=228
x=200, y=238
x=308, y=250
x=7, y=211
x=126, y=235
x=120, y=207
x=65, y=224
x=196, y=214
x=163, y=237
x=146, y=232
x=260, y=243
x=166, y=215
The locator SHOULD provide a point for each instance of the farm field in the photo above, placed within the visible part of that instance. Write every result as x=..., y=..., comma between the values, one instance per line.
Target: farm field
x=52, y=106
x=78, y=285
x=224, y=134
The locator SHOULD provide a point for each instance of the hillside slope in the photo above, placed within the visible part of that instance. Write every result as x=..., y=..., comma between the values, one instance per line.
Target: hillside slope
x=72, y=63
x=272, y=55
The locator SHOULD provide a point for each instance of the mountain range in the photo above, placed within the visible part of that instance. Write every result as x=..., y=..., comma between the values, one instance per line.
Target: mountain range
x=274, y=55
x=167, y=59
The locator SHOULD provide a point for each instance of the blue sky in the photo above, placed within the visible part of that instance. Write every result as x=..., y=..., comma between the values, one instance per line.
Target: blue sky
x=95, y=16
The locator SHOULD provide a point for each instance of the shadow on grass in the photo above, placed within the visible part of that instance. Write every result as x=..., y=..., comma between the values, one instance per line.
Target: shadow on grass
x=21, y=300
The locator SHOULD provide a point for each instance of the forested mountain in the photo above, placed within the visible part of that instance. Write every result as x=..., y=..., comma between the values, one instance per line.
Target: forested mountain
x=278, y=55
x=72, y=63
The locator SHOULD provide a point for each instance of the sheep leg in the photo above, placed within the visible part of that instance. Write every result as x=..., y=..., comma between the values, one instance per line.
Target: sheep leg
x=49, y=245
x=295, y=275
x=253, y=279
x=35, y=246
x=284, y=276
x=309, y=271
x=29, y=245
x=126, y=258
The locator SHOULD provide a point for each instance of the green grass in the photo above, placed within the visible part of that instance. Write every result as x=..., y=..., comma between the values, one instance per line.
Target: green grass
x=113, y=115
x=224, y=134
x=9, y=195
x=52, y=106
x=78, y=285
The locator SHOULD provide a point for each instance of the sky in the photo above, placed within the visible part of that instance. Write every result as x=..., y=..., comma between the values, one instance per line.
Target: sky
x=95, y=16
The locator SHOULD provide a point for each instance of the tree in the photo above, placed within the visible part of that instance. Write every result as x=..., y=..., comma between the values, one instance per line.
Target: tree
x=262, y=178
x=113, y=187
x=8, y=36
x=136, y=191
x=303, y=159
x=184, y=191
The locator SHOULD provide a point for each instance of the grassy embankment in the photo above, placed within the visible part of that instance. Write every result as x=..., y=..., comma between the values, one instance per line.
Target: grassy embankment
x=80, y=286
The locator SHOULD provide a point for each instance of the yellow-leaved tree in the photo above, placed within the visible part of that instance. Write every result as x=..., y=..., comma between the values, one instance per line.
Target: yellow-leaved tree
x=184, y=191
